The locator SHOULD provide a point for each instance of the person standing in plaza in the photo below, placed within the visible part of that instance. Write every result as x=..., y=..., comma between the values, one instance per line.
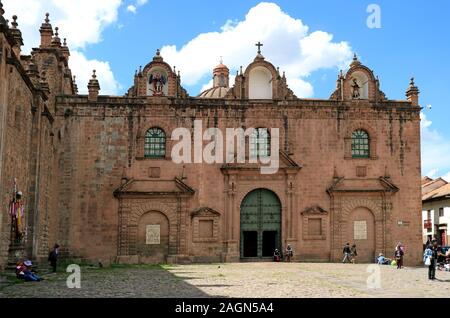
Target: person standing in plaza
x=289, y=253
x=53, y=257
x=347, y=253
x=353, y=253
x=398, y=255
x=430, y=258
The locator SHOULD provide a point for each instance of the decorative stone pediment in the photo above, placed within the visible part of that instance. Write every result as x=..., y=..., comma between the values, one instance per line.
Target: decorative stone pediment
x=314, y=210
x=261, y=81
x=157, y=79
x=343, y=185
x=134, y=187
x=286, y=163
x=205, y=225
x=359, y=83
x=314, y=223
x=204, y=212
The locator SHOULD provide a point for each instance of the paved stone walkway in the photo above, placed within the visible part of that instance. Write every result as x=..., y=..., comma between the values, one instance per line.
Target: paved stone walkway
x=253, y=280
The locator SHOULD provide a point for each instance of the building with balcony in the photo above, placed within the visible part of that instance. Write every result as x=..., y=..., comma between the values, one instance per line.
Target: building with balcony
x=435, y=210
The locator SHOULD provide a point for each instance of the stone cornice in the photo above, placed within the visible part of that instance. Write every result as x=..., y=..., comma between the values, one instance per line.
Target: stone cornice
x=199, y=103
x=52, y=50
x=16, y=63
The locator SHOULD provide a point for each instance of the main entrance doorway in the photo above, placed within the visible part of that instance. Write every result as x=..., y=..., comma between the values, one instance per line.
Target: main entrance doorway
x=260, y=224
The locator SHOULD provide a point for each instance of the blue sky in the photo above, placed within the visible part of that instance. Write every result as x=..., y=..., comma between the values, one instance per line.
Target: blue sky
x=413, y=41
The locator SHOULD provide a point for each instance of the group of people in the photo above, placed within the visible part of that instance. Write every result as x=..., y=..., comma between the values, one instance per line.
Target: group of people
x=289, y=254
x=433, y=257
x=397, y=260
x=350, y=253
x=26, y=271
x=444, y=261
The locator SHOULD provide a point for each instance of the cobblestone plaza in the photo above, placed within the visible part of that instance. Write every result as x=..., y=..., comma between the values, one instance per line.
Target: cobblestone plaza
x=237, y=280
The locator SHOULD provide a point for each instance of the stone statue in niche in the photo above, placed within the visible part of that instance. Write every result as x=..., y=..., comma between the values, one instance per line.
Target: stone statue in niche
x=356, y=89
x=157, y=80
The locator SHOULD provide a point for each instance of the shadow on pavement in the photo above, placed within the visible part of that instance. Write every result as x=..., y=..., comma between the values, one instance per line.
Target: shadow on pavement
x=114, y=282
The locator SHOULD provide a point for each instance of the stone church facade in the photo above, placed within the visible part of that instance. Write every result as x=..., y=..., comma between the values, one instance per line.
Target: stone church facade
x=97, y=176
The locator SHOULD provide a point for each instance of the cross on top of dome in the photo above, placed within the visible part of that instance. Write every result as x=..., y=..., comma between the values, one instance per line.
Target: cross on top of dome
x=259, y=44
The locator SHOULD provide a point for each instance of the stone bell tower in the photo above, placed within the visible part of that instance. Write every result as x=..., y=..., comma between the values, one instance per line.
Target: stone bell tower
x=221, y=75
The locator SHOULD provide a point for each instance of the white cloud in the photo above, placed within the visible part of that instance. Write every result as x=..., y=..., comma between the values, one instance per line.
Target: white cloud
x=301, y=87
x=433, y=173
x=287, y=43
x=435, y=150
x=84, y=67
x=133, y=7
x=81, y=22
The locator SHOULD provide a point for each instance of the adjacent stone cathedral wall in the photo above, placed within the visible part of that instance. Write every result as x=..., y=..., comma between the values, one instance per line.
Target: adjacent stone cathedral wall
x=16, y=101
x=29, y=147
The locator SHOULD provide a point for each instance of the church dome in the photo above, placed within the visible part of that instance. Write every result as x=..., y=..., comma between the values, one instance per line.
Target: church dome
x=221, y=81
x=221, y=68
x=214, y=92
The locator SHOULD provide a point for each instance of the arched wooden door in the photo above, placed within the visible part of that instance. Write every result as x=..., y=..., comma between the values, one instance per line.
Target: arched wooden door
x=260, y=224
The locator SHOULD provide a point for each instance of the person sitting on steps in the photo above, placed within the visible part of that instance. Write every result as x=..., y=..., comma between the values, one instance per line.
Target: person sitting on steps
x=276, y=256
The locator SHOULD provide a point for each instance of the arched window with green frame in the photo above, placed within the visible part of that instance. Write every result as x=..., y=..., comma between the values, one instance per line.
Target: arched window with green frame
x=155, y=143
x=360, y=144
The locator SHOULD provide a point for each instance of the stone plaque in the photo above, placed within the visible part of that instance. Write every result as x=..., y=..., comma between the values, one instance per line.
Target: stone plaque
x=153, y=234
x=360, y=230
x=154, y=172
x=361, y=171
